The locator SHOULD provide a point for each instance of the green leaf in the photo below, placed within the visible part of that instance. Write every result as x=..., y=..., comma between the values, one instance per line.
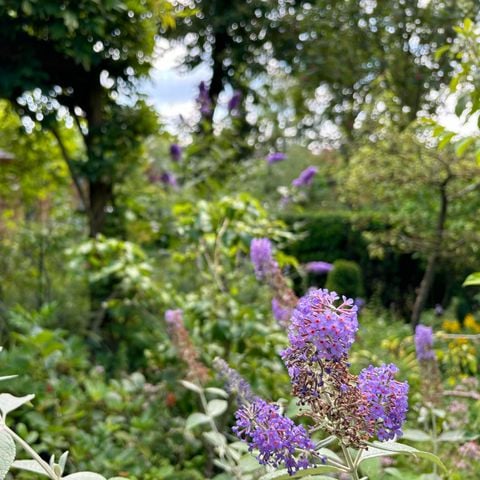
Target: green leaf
x=9, y=402
x=191, y=386
x=196, y=419
x=217, y=391
x=7, y=453
x=7, y=377
x=29, y=466
x=472, y=280
x=84, y=476
x=308, y=472
x=462, y=147
x=416, y=435
x=383, y=449
x=452, y=436
x=216, y=439
x=440, y=51
x=216, y=407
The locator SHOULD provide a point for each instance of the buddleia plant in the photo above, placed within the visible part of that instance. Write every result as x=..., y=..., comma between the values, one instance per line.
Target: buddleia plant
x=13, y=447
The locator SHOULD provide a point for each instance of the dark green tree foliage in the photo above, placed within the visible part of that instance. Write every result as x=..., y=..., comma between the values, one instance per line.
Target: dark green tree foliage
x=82, y=56
x=345, y=279
x=231, y=36
x=373, y=57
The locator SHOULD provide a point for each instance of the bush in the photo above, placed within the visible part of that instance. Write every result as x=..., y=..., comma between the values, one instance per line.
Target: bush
x=345, y=279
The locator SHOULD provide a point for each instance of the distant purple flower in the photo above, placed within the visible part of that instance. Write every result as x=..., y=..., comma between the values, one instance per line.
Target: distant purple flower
x=261, y=425
x=318, y=267
x=386, y=400
x=174, y=317
x=203, y=100
x=276, y=157
x=359, y=303
x=281, y=313
x=438, y=310
x=175, y=152
x=321, y=321
x=234, y=382
x=262, y=258
x=305, y=178
x=424, y=342
x=168, y=178
x=234, y=102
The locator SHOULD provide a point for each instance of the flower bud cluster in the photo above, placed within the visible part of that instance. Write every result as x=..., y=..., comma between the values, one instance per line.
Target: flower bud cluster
x=183, y=343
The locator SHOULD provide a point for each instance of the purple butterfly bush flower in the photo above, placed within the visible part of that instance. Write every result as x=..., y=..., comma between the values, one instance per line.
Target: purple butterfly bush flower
x=275, y=157
x=234, y=382
x=281, y=313
x=203, y=100
x=387, y=400
x=234, y=102
x=306, y=177
x=275, y=436
x=424, y=343
x=262, y=258
x=318, y=267
x=168, y=178
x=321, y=321
x=175, y=152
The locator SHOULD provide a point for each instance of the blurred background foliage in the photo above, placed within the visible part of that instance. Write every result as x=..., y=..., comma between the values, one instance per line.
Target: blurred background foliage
x=102, y=229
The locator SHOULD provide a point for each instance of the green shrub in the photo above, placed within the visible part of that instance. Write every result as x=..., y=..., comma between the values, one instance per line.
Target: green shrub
x=345, y=279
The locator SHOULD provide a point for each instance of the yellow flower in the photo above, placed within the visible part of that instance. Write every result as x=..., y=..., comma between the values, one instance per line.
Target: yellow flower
x=451, y=326
x=471, y=323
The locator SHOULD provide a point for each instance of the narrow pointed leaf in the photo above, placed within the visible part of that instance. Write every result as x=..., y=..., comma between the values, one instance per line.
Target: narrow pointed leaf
x=29, y=466
x=385, y=449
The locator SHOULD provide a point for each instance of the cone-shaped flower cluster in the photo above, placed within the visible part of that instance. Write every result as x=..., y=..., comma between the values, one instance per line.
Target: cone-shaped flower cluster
x=424, y=342
x=275, y=436
x=267, y=270
x=387, y=400
x=431, y=384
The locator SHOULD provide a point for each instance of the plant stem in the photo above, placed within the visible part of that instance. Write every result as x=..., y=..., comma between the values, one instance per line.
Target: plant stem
x=434, y=438
x=32, y=453
x=351, y=464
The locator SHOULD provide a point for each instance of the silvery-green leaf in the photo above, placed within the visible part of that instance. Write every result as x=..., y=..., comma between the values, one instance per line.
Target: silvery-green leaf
x=29, y=466
x=7, y=377
x=62, y=461
x=330, y=454
x=217, y=391
x=7, y=452
x=416, y=435
x=191, y=386
x=84, y=476
x=223, y=465
x=452, y=436
x=215, y=438
x=9, y=402
x=248, y=463
x=308, y=472
x=195, y=419
x=216, y=407
x=385, y=449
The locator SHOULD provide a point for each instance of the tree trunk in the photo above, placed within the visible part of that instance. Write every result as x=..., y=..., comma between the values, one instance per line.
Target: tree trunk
x=428, y=277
